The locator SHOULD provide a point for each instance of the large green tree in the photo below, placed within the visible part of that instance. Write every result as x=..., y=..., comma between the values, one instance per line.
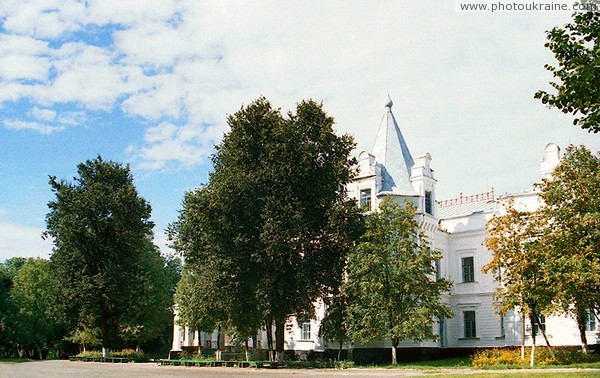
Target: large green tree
x=576, y=47
x=572, y=238
x=274, y=215
x=392, y=287
x=102, y=234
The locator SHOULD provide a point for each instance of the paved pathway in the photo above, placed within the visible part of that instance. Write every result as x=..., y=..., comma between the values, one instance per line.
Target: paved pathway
x=67, y=369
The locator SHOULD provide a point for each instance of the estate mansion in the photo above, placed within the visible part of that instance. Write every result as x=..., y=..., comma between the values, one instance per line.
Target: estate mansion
x=456, y=227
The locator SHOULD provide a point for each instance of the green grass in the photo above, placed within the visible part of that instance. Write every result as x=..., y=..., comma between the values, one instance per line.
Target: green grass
x=14, y=360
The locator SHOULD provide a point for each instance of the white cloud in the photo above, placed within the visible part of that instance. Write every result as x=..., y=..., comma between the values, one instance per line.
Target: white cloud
x=22, y=241
x=72, y=118
x=36, y=126
x=88, y=75
x=47, y=115
x=170, y=145
x=41, y=18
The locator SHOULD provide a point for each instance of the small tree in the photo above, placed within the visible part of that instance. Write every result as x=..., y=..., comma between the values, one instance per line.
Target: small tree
x=335, y=325
x=572, y=238
x=519, y=263
x=393, y=293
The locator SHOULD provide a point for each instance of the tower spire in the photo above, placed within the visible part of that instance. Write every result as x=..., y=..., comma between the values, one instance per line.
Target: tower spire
x=392, y=154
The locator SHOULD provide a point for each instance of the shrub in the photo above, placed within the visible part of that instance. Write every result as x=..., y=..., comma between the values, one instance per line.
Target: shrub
x=512, y=357
x=125, y=353
x=90, y=353
x=496, y=356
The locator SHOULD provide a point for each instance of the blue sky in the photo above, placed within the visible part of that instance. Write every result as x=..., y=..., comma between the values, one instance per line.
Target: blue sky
x=150, y=83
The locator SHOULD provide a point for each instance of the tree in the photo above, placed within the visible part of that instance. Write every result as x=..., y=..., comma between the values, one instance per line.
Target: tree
x=393, y=293
x=33, y=329
x=150, y=317
x=335, y=324
x=520, y=265
x=576, y=47
x=572, y=238
x=102, y=233
x=25, y=325
x=274, y=215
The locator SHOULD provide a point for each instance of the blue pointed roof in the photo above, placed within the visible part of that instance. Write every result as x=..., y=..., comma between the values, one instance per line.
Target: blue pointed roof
x=392, y=154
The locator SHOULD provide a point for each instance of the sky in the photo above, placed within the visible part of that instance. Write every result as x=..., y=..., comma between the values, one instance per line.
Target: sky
x=150, y=84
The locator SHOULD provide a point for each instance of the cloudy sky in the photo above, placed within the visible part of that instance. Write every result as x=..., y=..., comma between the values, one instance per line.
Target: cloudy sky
x=149, y=83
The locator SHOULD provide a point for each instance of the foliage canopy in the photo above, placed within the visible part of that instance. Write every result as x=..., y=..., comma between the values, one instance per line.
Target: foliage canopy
x=576, y=47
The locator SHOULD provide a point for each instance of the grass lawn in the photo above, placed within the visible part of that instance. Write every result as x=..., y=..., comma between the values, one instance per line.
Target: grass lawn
x=14, y=360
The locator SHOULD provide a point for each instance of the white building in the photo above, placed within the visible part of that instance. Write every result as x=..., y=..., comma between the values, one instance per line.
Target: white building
x=456, y=227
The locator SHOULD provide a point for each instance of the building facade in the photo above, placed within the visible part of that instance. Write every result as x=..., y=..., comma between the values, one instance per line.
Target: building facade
x=457, y=227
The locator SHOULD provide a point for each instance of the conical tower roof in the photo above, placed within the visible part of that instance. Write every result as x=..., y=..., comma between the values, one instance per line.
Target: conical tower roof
x=391, y=152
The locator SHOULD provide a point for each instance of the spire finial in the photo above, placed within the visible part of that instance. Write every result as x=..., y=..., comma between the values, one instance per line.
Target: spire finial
x=390, y=103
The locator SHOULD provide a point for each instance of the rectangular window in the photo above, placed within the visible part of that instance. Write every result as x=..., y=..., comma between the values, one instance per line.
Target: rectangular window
x=428, y=208
x=591, y=321
x=365, y=200
x=438, y=270
x=468, y=269
x=305, y=335
x=469, y=324
x=541, y=326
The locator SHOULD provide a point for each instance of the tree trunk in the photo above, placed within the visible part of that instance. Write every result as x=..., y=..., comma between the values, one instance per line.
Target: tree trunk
x=522, y=335
x=545, y=336
x=532, y=357
x=279, y=338
x=219, y=338
x=269, y=329
x=581, y=324
x=395, y=343
x=340, y=351
x=105, y=335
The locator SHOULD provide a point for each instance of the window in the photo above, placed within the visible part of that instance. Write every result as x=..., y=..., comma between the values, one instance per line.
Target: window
x=428, y=209
x=468, y=269
x=305, y=335
x=591, y=321
x=541, y=326
x=469, y=324
x=438, y=271
x=502, y=332
x=365, y=200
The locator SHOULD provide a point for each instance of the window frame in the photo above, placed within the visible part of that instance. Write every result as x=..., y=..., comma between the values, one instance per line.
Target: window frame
x=428, y=202
x=365, y=202
x=468, y=276
x=305, y=330
x=470, y=324
x=591, y=325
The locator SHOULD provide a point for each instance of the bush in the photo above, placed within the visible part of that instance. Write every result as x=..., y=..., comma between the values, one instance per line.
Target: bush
x=512, y=357
x=125, y=353
x=90, y=353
